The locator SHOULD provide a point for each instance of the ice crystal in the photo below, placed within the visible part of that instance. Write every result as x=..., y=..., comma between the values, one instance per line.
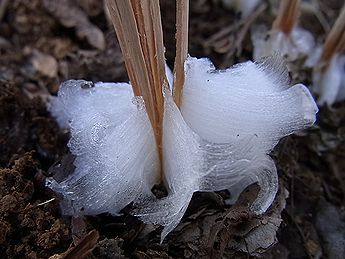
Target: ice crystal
x=221, y=138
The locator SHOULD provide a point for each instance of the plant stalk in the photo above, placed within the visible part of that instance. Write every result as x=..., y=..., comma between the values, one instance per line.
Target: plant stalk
x=335, y=41
x=182, y=14
x=139, y=30
x=288, y=13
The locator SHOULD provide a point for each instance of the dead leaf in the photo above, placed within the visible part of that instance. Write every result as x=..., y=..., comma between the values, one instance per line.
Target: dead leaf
x=233, y=231
x=263, y=236
x=82, y=249
x=44, y=64
x=71, y=16
x=78, y=226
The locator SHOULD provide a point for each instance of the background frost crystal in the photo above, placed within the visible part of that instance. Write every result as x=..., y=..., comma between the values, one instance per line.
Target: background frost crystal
x=245, y=7
x=329, y=82
x=220, y=139
x=298, y=44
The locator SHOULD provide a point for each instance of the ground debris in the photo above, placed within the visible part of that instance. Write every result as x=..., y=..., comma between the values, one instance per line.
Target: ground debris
x=25, y=125
x=71, y=16
x=332, y=235
x=215, y=231
x=263, y=235
x=45, y=64
x=82, y=249
x=110, y=248
x=27, y=230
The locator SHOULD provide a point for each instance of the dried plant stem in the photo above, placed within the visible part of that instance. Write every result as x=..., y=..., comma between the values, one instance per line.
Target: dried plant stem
x=182, y=13
x=287, y=15
x=139, y=30
x=84, y=248
x=335, y=41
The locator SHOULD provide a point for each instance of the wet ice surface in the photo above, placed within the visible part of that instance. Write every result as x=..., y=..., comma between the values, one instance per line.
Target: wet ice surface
x=229, y=122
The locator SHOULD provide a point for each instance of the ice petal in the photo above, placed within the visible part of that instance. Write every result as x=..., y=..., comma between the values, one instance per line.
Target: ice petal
x=112, y=139
x=243, y=101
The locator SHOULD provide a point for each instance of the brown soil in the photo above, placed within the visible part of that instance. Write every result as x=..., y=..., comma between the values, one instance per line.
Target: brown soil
x=38, y=51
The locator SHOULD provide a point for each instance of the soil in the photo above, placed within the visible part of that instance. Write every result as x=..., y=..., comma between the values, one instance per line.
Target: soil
x=39, y=49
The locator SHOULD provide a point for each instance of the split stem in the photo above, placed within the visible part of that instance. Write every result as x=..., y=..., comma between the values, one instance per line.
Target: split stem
x=139, y=30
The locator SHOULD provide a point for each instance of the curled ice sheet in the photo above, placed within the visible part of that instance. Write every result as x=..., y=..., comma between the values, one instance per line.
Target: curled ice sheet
x=229, y=122
x=329, y=82
x=194, y=164
x=249, y=99
x=298, y=44
x=112, y=139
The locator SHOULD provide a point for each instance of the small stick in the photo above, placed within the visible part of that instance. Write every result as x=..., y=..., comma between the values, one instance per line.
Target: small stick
x=335, y=41
x=84, y=247
x=287, y=15
x=45, y=202
x=182, y=12
x=139, y=30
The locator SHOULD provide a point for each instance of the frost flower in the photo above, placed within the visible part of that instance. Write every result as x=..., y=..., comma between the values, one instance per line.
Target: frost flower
x=229, y=122
x=285, y=37
x=213, y=132
x=329, y=71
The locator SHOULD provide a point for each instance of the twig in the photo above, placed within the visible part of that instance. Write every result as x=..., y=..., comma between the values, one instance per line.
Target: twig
x=182, y=12
x=287, y=15
x=84, y=247
x=30, y=206
x=45, y=202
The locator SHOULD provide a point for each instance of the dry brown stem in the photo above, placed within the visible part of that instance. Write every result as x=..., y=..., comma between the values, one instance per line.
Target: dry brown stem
x=335, y=41
x=182, y=13
x=287, y=15
x=84, y=247
x=139, y=31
